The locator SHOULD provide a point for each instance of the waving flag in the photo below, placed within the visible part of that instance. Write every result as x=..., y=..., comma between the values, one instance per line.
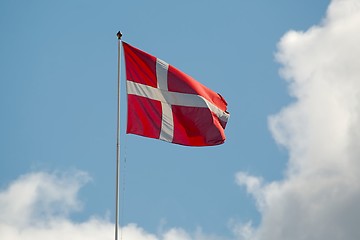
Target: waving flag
x=165, y=103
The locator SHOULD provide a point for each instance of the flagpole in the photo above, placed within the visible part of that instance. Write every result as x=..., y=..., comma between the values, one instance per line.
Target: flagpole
x=118, y=140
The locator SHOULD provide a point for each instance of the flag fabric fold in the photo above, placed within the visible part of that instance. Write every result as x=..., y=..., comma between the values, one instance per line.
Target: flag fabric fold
x=167, y=104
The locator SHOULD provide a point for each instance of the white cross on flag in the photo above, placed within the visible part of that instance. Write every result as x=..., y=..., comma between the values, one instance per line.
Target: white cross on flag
x=165, y=103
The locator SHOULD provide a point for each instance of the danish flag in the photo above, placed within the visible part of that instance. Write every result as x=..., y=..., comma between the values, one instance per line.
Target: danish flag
x=167, y=104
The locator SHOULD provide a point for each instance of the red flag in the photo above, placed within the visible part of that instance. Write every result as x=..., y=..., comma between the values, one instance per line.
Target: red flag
x=166, y=104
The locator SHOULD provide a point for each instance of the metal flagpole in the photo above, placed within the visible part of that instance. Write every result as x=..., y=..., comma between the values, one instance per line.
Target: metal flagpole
x=119, y=34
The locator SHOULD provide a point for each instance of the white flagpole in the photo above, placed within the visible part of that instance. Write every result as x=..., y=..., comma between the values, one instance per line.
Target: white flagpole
x=118, y=141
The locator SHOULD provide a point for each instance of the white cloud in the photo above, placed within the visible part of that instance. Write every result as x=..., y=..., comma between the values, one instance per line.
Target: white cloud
x=319, y=198
x=176, y=234
x=40, y=196
x=38, y=206
x=242, y=231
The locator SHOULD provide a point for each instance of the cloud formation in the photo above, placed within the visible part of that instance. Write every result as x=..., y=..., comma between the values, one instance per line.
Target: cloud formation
x=319, y=197
x=38, y=206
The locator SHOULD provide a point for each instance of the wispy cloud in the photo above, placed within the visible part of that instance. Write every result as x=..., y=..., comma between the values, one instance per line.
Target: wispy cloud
x=319, y=197
x=39, y=205
x=40, y=196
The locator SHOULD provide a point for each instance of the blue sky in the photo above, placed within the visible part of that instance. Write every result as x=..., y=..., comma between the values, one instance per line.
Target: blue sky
x=58, y=83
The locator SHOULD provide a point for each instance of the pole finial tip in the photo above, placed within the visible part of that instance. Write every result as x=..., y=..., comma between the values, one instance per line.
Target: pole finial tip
x=119, y=35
